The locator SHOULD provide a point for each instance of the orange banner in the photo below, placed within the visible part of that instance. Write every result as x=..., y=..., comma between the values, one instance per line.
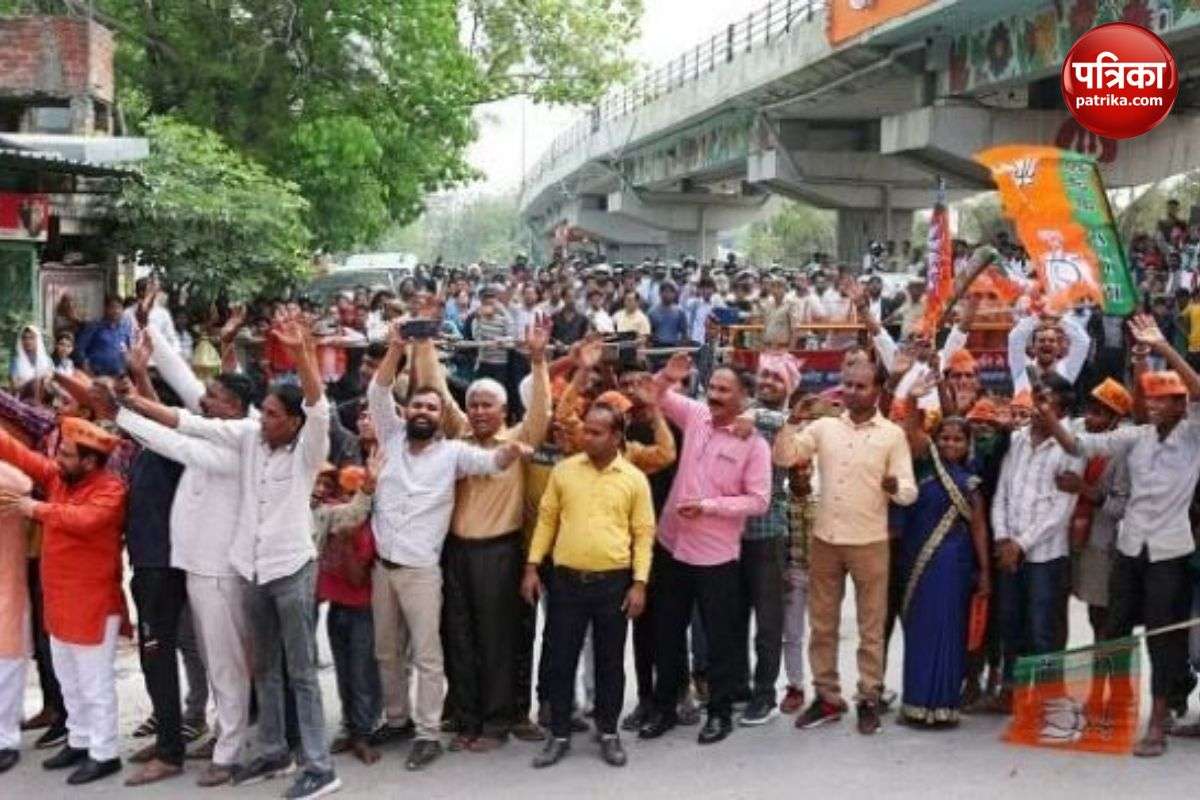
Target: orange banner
x=849, y=18
x=1036, y=198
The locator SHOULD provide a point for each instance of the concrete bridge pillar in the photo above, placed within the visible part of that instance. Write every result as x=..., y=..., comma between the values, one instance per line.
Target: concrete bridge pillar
x=858, y=227
x=690, y=221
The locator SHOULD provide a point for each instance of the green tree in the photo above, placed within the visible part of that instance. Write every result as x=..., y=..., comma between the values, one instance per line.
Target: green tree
x=212, y=220
x=367, y=105
x=461, y=229
x=791, y=236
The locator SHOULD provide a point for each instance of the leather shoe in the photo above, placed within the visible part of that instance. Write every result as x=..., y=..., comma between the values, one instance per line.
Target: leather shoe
x=612, y=752
x=554, y=751
x=656, y=725
x=8, y=759
x=715, y=729
x=92, y=770
x=67, y=757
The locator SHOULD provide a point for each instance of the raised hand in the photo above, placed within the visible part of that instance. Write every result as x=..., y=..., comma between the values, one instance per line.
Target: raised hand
x=924, y=385
x=902, y=363
x=102, y=399
x=374, y=468
x=590, y=353
x=138, y=358
x=679, y=367
x=396, y=335
x=644, y=393
x=237, y=318
x=536, y=341
x=1145, y=331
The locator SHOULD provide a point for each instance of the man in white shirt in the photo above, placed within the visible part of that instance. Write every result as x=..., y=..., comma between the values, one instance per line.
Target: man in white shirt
x=1031, y=520
x=413, y=503
x=281, y=453
x=1150, y=580
x=204, y=522
x=598, y=319
x=1058, y=346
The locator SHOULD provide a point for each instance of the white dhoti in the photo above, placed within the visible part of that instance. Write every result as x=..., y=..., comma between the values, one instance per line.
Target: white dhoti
x=219, y=614
x=12, y=701
x=89, y=686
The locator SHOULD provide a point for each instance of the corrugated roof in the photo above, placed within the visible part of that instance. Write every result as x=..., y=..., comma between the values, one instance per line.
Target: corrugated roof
x=53, y=162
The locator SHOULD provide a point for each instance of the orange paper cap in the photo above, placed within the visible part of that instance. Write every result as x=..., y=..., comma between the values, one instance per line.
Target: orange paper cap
x=962, y=361
x=1163, y=384
x=351, y=479
x=1114, y=396
x=984, y=411
x=81, y=432
x=1023, y=399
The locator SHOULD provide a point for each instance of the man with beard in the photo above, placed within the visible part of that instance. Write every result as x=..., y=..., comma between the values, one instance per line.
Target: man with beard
x=1058, y=346
x=1149, y=582
x=81, y=519
x=484, y=553
x=413, y=504
x=722, y=480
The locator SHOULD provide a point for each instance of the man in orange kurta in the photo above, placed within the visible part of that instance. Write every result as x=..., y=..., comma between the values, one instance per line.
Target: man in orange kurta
x=14, y=620
x=81, y=577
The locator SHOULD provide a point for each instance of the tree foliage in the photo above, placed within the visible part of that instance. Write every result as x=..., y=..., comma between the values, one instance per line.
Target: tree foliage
x=463, y=229
x=366, y=105
x=211, y=219
x=555, y=51
x=791, y=236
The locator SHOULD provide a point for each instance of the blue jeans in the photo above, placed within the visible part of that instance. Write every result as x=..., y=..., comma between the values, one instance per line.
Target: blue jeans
x=352, y=640
x=281, y=613
x=1032, y=605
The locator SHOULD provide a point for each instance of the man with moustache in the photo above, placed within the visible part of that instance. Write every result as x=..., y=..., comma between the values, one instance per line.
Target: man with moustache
x=864, y=464
x=413, y=504
x=722, y=480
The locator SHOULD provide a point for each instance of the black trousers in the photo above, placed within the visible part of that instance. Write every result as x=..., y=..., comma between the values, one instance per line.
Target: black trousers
x=761, y=572
x=1153, y=594
x=160, y=594
x=577, y=601
x=717, y=590
x=481, y=613
x=52, y=699
x=644, y=635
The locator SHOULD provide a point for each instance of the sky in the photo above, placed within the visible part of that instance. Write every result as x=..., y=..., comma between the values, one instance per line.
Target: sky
x=498, y=151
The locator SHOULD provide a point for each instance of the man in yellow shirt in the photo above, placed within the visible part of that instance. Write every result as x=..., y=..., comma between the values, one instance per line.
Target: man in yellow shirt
x=597, y=521
x=1189, y=320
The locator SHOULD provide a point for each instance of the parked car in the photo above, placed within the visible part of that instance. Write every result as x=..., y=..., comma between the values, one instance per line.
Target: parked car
x=326, y=286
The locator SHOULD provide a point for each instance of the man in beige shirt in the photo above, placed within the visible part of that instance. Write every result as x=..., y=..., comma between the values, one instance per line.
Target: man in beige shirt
x=485, y=553
x=864, y=463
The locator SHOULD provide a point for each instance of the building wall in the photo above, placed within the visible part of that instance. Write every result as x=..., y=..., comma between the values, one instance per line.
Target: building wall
x=55, y=57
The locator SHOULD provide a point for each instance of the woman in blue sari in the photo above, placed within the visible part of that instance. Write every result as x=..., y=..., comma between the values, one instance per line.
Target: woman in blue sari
x=943, y=557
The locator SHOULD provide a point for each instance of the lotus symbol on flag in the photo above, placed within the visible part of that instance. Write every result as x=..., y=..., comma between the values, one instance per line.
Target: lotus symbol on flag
x=1023, y=171
x=1062, y=268
x=1063, y=721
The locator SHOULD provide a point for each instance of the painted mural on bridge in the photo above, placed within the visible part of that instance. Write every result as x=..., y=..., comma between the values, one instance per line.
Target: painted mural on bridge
x=1032, y=45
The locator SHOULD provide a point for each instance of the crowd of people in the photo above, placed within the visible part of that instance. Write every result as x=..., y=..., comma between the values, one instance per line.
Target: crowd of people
x=444, y=465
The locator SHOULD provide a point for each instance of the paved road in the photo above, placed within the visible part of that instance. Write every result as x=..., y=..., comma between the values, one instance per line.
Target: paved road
x=768, y=762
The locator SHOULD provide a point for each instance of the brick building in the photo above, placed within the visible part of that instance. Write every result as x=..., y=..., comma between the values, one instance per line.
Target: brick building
x=56, y=76
x=59, y=164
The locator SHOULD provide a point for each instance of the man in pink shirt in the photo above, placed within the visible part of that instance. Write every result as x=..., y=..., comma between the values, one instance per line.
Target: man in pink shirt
x=722, y=480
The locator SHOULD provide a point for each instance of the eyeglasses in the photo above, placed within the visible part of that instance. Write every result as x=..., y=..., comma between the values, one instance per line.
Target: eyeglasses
x=960, y=375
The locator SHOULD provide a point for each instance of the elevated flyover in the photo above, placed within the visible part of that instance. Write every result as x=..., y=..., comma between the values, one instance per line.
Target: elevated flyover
x=793, y=100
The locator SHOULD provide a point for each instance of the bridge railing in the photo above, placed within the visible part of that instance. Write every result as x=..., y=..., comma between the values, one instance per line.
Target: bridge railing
x=758, y=28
